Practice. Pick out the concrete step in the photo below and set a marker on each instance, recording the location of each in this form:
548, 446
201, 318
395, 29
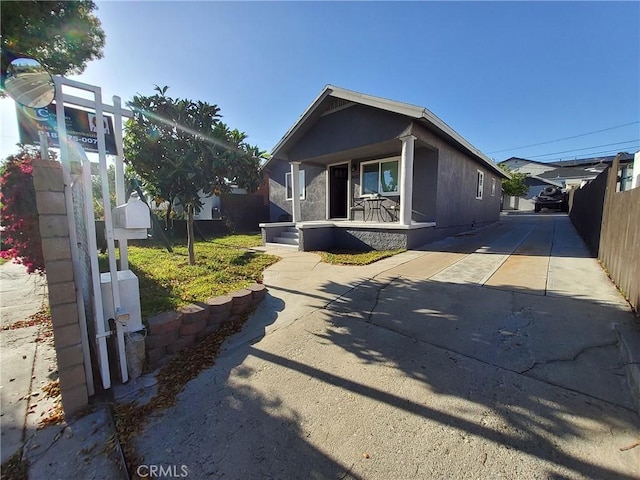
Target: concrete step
280, 245
289, 235
286, 240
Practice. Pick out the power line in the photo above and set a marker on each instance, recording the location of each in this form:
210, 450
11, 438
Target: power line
592, 154
565, 138
585, 148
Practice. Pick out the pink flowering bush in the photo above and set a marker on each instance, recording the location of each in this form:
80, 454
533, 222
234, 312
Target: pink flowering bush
18, 212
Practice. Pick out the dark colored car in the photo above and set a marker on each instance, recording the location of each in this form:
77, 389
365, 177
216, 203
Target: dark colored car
552, 197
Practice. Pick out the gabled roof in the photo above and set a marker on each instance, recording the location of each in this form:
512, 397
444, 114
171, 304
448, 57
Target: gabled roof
591, 161
412, 111
567, 172
544, 180
518, 159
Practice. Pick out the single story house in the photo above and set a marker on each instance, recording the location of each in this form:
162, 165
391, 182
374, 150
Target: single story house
358, 172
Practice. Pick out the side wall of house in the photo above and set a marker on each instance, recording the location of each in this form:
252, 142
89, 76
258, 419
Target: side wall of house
457, 186
425, 185
313, 207
457, 208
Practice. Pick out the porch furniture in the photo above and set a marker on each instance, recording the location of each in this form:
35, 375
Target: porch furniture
393, 211
357, 206
374, 205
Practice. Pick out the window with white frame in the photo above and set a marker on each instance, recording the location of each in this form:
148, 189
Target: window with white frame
480, 185
380, 177
289, 185
493, 187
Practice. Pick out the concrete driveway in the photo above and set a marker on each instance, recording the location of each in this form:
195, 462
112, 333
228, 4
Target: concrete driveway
487, 355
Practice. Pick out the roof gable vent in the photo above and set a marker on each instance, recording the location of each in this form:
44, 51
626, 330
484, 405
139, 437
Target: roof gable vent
337, 104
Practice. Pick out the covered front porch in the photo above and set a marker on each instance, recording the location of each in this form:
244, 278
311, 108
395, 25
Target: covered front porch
359, 199
348, 234
366, 186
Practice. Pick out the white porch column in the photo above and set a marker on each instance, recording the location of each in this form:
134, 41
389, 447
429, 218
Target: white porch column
295, 191
406, 179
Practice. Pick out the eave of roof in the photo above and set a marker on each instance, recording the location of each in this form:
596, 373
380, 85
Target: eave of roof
567, 172
523, 160
546, 180
406, 109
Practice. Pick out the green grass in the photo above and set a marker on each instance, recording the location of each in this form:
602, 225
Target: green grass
345, 257
167, 281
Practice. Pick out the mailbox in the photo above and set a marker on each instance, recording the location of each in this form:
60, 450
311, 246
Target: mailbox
131, 220
129, 298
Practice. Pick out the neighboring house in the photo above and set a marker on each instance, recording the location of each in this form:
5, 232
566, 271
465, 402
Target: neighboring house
358, 171
597, 165
522, 165
570, 177
212, 205
565, 173
527, 203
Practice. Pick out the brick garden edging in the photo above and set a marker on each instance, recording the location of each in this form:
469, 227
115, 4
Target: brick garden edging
171, 332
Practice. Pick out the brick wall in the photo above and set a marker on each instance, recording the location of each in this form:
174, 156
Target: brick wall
52, 212
173, 331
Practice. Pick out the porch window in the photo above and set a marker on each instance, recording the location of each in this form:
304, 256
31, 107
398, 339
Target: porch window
380, 176
493, 187
289, 185
480, 185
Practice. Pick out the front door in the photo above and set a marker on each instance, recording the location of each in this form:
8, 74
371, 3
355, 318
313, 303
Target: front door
338, 189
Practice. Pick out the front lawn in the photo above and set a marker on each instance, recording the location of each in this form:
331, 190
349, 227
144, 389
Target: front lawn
346, 257
167, 281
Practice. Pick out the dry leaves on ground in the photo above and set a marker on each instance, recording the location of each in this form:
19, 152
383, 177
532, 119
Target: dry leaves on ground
172, 378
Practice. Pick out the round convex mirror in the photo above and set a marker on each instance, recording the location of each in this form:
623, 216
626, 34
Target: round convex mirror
29, 84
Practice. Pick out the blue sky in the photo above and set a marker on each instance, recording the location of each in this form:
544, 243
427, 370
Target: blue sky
502, 74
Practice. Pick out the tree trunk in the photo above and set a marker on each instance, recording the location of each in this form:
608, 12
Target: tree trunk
167, 215
192, 257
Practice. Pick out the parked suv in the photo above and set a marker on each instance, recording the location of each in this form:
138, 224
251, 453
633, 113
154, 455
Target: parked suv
552, 197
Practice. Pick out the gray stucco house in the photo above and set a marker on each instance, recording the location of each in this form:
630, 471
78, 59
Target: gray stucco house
358, 171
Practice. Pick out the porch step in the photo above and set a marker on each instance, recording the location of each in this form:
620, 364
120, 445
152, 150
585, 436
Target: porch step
288, 237
293, 235
286, 241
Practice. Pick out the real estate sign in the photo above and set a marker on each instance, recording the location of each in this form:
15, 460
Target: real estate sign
81, 127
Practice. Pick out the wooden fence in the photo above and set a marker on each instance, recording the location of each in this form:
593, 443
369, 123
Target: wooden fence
586, 205
609, 222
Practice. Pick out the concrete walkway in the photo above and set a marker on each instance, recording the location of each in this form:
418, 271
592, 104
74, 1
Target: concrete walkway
21, 295
77, 448
487, 355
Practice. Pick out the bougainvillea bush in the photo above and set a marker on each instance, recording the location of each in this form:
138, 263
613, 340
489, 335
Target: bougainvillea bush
19, 214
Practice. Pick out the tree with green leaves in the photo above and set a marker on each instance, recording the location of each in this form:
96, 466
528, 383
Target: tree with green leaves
180, 148
62, 36
96, 188
514, 186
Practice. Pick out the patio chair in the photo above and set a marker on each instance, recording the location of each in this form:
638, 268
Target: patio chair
394, 211
357, 206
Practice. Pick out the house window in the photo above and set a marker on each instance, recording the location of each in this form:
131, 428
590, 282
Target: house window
289, 186
380, 176
493, 187
480, 185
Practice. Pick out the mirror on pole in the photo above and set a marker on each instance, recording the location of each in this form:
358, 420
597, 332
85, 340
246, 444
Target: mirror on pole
29, 83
